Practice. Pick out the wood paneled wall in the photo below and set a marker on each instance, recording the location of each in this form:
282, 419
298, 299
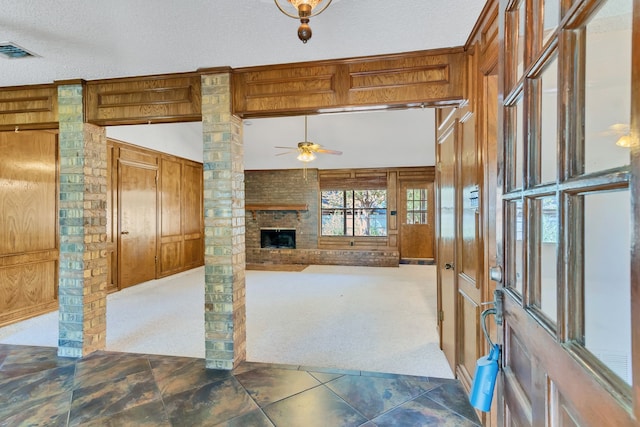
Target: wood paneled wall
469, 129
29, 107
144, 99
28, 224
192, 215
425, 78
112, 217
181, 236
432, 77
29, 249
179, 225
389, 178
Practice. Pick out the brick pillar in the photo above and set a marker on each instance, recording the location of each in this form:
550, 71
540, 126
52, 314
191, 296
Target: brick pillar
82, 280
225, 331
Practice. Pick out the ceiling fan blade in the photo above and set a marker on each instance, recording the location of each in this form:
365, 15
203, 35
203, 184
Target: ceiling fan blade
326, 151
287, 148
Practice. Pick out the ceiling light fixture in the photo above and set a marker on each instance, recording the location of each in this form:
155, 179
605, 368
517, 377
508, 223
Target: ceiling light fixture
624, 141
306, 156
305, 9
306, 149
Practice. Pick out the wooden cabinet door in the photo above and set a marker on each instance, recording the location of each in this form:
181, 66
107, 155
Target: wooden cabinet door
138, 223
416, 220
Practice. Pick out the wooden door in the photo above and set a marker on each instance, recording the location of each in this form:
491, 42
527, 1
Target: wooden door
468, 247
445, 173
137, 221
416, 220
569, 190
489, 206
460, 251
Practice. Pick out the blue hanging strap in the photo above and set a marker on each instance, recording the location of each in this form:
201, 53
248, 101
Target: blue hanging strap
487, 369
483, 321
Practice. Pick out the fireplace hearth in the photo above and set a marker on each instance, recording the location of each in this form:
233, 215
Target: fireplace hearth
277, 238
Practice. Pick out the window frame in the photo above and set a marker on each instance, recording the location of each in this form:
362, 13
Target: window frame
423, 201
349, 206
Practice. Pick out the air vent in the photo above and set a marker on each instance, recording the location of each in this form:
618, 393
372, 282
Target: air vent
10, 50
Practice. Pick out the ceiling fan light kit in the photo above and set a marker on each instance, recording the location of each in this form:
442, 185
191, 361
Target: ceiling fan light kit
305, 9
306, 149
306, 156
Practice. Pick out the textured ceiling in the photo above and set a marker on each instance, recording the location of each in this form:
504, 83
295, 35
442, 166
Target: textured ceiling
94, 39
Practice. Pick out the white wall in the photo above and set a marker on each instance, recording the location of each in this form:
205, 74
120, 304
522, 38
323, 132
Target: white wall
180, 139
389, 138
393, 138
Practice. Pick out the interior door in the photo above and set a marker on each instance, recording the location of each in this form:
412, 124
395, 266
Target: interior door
490, 206
137, 221
416, 220
570, 348
468, 247
446, 261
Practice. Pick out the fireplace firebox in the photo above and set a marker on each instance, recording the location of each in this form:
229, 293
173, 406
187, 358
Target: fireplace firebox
278, 238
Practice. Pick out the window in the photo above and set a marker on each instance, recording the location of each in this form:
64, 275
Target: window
354, 213
549, 220
417, 206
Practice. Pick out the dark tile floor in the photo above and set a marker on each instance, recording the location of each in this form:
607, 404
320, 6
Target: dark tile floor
37, 388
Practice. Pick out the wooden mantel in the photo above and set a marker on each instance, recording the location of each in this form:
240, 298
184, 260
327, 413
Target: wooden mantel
253, 207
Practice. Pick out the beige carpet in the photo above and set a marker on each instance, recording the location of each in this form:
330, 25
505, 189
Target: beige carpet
362, 318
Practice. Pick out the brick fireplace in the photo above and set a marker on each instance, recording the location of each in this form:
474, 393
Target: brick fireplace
286, 200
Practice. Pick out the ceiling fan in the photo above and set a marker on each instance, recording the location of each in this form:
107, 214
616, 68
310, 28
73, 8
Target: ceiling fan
306, 149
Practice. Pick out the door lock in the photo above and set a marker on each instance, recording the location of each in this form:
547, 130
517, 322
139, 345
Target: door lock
495, 273
498, 298
124, 232
498, 306
448, 266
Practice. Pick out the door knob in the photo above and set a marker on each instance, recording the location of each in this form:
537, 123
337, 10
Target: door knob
495, 273
448, 266
124, 232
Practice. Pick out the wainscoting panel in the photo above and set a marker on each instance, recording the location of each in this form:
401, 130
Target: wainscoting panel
28, 224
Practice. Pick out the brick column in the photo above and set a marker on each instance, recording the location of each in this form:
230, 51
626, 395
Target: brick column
225, 332
82, 280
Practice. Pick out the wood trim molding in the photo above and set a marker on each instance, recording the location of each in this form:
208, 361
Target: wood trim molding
70, 82
148, 99
276, 207
214, 70
434, 77
422, 78
29, 107
486, 20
